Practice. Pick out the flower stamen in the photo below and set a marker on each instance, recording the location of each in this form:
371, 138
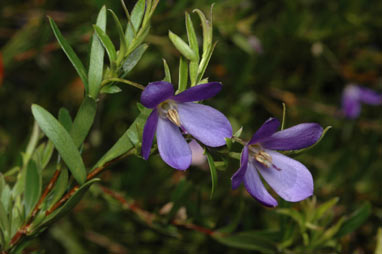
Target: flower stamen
258, 153
168, 109
173, 116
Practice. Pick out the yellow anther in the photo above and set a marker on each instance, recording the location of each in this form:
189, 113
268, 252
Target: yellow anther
173, 116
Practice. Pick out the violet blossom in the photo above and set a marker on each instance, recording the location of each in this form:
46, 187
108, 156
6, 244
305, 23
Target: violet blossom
289, 178
353, 96
174, 115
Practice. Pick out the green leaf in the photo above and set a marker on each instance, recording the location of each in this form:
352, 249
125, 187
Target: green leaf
65, 119
76, 62
83, 120
330, 232
107, 43
132, 60
135, 20
214, 176
70, 204
207, 31
42, 154
58, 190
183, 75
122, 40
238, 132
2, 183
124, 143
62, 140
204, 63
47, 154
182, 47
33, 185
17, 219
295, 215
355, 220
4, 223
378, 248
111, 89
138, 39
247, 240
194, 66
321, 210
167, 74
284, 117
97, 53
193, 41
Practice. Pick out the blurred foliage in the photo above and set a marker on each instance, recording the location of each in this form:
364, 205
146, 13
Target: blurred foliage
309, 50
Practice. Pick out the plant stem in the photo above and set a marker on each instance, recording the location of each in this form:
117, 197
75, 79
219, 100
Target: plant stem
24, 229
125, 81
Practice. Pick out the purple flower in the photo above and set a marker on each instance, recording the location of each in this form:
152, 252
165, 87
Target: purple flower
198, 156
174, 114
354, 95
290, 179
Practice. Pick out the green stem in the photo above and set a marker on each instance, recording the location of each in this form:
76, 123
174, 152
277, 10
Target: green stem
125, 81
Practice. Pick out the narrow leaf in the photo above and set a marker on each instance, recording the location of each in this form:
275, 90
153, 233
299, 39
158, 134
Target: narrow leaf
97, 53
284, 115
76, 62
2, 183
214, 177
135, 20
83, 120
33, 185
321, 210
132, 60
194, 66
207, 31
59, 189
4, 223
47, 154
122, 40
378, 248
62, 140
70, 204
192, 40
107, 43
204, 63
111, 89
167, 74
141, 36
124, 143
65, 119
182, 47
355, 220
183, 75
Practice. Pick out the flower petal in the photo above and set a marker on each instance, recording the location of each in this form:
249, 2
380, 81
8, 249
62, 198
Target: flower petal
199, 92
237, 178
296, 137
148, 133
255, 187
369, 96
198, 156
268, 128
351, 105
155, 93
205, 123
289, 178
172, 146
